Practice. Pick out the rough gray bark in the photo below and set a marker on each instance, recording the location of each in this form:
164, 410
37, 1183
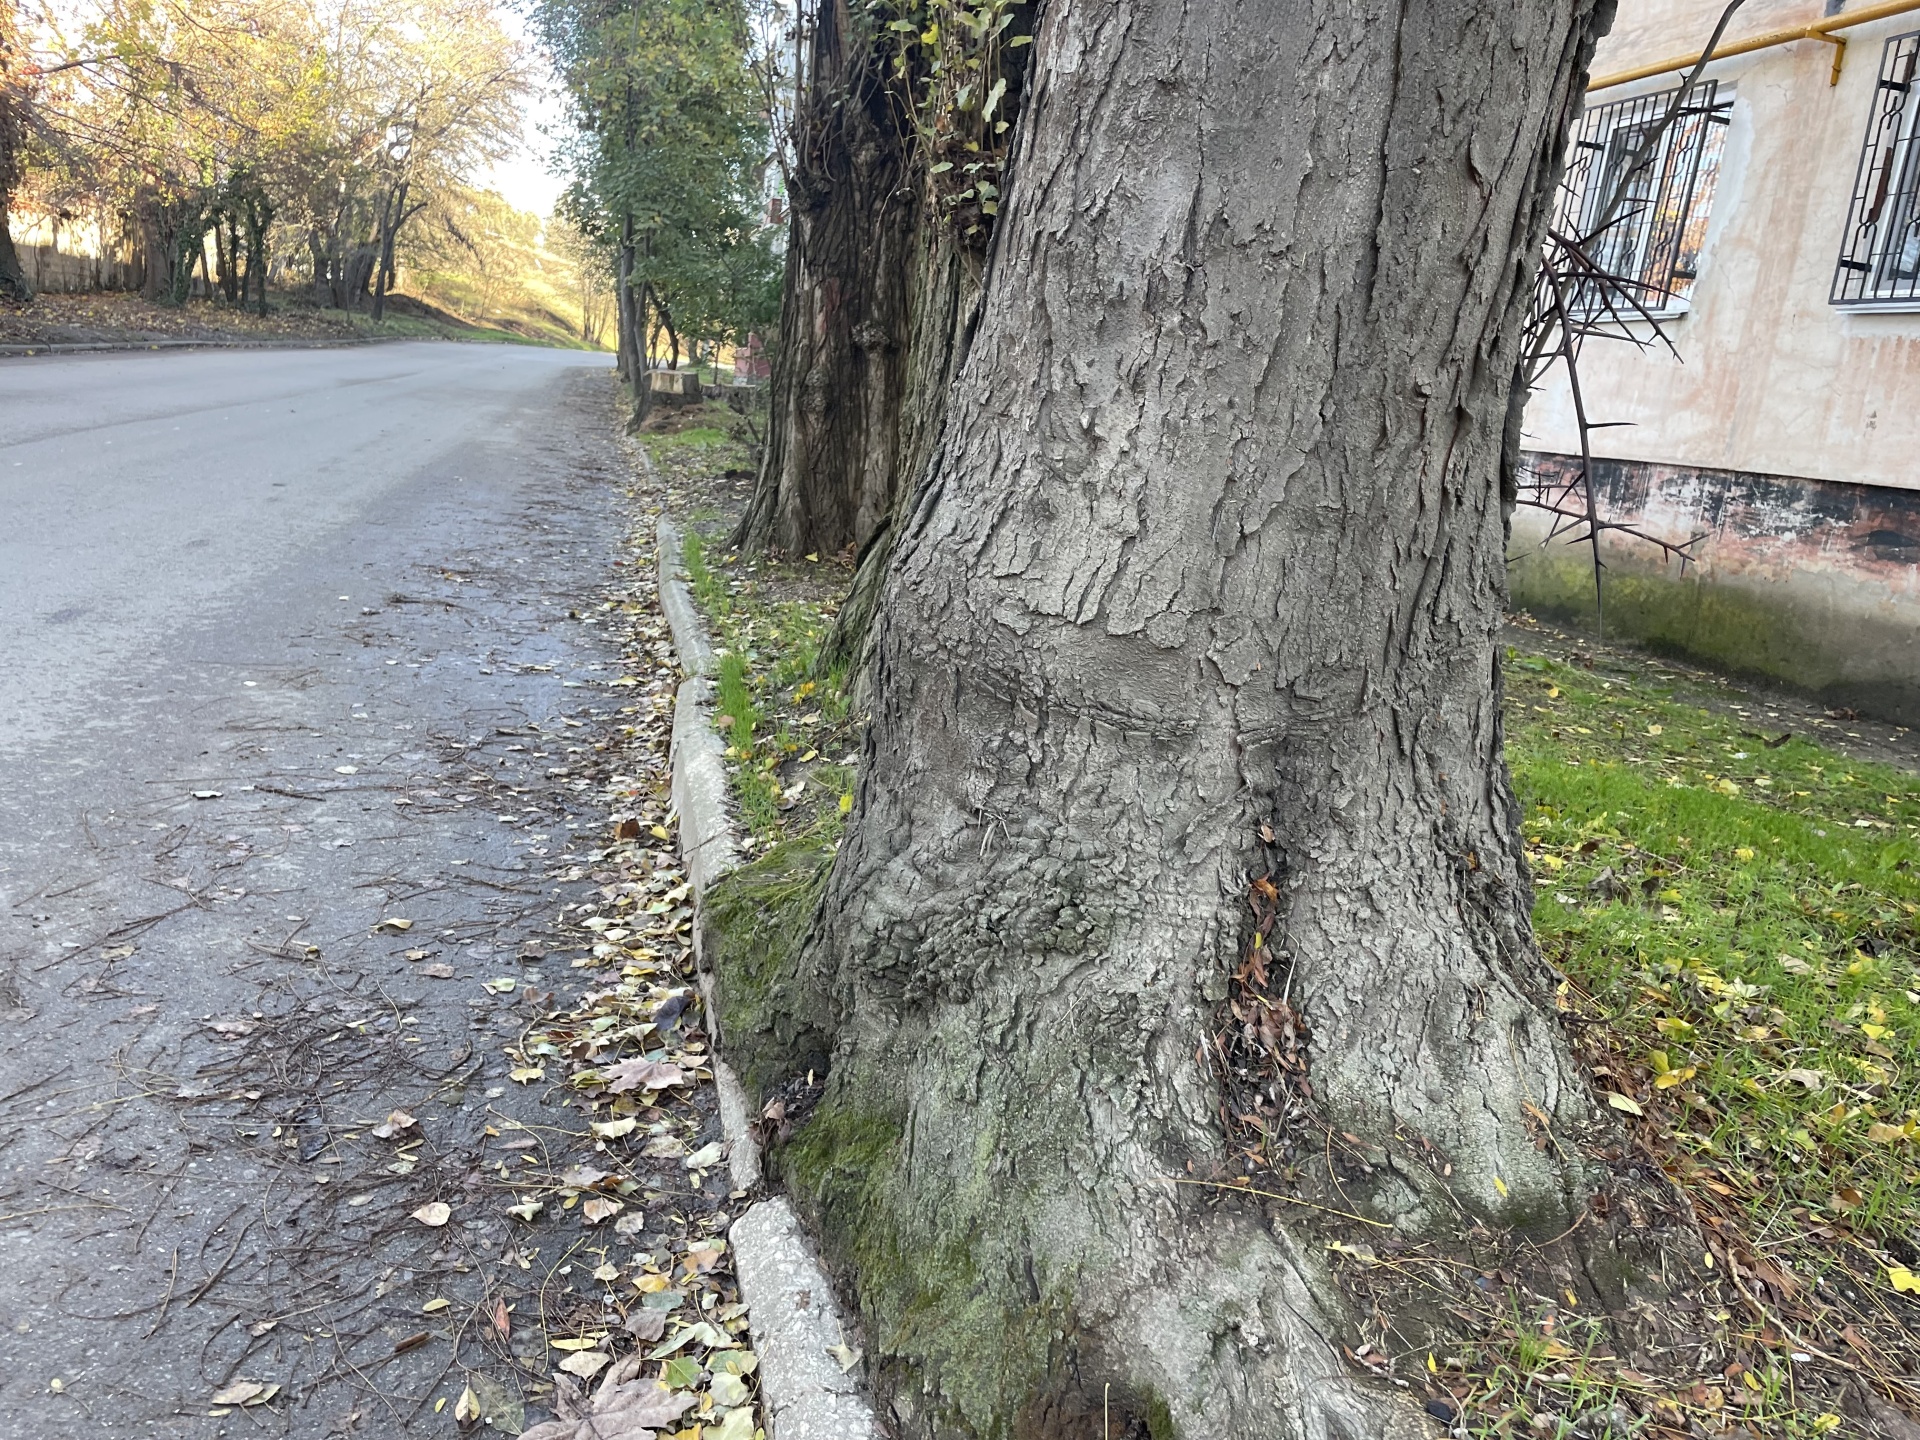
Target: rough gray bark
828, 477
1213, 541
943, 288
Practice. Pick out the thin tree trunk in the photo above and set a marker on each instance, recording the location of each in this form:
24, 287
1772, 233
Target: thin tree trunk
625, 343
14, 284
1204, 588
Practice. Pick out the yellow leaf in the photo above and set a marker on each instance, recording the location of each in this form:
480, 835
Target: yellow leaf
1501, 1186
1624, 1102
433, 1307
1653, 729
527, 1074
1903, 1279
660, 833
1743, 853
583, 1343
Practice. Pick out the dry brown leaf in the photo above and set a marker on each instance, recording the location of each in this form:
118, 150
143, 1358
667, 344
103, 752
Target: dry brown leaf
434, 1213
643, 1074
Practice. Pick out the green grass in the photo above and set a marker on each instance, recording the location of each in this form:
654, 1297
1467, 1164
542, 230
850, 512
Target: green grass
1741, 910
778, 711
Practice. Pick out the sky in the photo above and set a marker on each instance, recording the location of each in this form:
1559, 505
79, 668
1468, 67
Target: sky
524, 180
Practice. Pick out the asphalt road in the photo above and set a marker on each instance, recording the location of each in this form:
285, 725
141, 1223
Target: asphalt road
291, 643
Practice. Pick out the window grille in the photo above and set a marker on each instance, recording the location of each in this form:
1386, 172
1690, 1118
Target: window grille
1638, 197
1880, 249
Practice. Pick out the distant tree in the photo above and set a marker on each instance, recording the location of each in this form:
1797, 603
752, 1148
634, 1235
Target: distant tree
668, 167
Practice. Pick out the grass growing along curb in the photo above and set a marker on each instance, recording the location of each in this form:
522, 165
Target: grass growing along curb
779, 718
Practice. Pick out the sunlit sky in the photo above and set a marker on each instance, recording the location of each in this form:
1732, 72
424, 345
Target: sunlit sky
524, 180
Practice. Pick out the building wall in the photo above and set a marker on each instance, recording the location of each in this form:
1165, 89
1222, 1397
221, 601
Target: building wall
62, 256
1784, 425
1810, 584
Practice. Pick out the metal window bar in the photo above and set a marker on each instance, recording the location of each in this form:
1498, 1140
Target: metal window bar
1880, 249
1651, 244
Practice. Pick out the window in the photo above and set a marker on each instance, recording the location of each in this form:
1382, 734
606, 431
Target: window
1880, 250
1638, 192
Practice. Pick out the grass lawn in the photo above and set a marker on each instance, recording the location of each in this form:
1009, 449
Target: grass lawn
1733, 907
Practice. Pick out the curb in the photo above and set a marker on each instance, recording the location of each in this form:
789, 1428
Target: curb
95, 347
806, 1393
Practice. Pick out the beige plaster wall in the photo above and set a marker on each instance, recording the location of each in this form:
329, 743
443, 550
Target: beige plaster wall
1770, 377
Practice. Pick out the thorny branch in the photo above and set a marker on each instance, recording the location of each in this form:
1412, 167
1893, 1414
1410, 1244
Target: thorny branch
1608, 305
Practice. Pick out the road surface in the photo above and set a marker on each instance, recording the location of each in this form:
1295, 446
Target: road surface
291, 643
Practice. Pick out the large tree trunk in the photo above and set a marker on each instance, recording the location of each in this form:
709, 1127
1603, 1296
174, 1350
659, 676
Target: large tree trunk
827, 481
1205, 586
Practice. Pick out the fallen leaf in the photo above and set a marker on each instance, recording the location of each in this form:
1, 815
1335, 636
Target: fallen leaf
206, 794
705, 1158
844, 1355
346, 769
586, 1364
643, 1074
1903, 1279
232, 1029
680, 1373
527, 1074
577, 1343
395, 1122
1624, 1102
394, 922
526, 1210
730, 1390
738, 1425
466, 1410
417, 954
434, 1306
599, 1208
606, 1271
614, 1129
1812, 1079
646, 1325
245, 1392
437, 972
434, 1213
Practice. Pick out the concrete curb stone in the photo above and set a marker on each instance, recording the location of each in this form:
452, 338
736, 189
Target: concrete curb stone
807, 1393
94, 347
